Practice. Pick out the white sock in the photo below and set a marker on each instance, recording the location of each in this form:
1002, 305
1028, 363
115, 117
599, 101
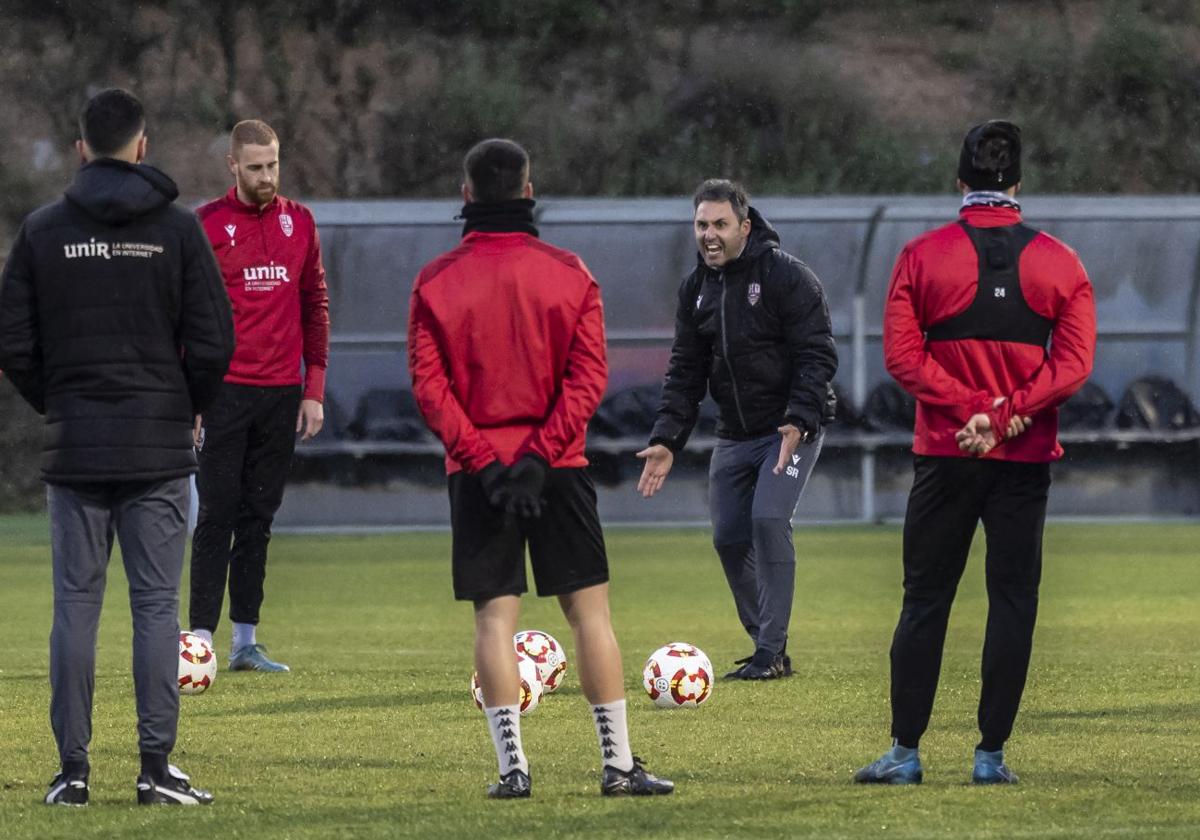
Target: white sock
504, 722
206, 635
243, 634
613, 733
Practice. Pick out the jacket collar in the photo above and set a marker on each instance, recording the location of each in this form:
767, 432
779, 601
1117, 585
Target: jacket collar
115, 192
235, 203
984, 216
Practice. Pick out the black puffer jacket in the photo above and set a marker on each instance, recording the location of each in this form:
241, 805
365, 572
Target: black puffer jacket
114, 323
757, 334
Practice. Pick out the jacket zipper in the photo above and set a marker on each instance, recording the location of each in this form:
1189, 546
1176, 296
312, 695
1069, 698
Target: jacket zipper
728, 359
262, 239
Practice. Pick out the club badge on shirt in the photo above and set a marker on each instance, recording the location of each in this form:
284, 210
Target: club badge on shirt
285, 222
754, 293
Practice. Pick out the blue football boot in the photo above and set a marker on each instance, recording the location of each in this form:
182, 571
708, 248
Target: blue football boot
990, 769
898, 766
254, 658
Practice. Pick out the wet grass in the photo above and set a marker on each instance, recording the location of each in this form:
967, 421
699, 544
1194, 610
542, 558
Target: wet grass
374, 734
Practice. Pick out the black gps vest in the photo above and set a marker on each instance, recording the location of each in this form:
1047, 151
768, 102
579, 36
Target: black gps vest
999, 311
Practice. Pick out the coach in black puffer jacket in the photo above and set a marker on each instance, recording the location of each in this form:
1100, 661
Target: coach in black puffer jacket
114, 323
752, 327
756, 333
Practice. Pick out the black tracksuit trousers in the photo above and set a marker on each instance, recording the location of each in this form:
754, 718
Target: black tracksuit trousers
949, 497
249, 439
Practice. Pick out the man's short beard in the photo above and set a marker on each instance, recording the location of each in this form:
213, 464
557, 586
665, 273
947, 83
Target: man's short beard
262, 195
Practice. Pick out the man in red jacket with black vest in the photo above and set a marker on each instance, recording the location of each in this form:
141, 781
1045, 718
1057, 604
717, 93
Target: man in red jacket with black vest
270, 256
991, 325
507, 354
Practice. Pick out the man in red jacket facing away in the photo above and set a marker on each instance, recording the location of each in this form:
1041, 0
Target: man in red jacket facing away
991, 325
507, 354
270, 256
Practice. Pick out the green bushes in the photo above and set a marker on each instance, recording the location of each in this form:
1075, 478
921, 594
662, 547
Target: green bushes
612, 98
1116, 114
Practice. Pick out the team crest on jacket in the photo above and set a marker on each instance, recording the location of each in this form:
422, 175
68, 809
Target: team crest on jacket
754, 293
285, 222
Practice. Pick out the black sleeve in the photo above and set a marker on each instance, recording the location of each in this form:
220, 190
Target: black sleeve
20, 341
687, 375
206, 320
811, 348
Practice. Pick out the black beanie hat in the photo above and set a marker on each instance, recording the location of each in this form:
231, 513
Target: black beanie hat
980, 167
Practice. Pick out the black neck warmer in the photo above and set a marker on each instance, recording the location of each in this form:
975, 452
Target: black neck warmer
512, 216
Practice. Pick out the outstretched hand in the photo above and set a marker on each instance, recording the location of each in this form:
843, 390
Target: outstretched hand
658, 460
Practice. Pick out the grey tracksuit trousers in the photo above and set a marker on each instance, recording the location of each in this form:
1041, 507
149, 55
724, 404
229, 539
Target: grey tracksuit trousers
751, 510
149, 519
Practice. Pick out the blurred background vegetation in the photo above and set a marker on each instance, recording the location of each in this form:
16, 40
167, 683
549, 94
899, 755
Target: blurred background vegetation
616, 97
612, 97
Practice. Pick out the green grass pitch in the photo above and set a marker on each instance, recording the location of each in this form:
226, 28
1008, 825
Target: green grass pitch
374, 733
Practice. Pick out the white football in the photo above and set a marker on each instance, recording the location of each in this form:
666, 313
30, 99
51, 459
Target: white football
546, 653
531, 686
678, 676
197, 664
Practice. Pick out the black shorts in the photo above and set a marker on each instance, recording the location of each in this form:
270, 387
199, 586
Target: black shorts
566, 545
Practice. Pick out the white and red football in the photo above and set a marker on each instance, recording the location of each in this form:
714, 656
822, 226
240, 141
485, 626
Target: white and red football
678, 676
546, 653
197, 664
531, 686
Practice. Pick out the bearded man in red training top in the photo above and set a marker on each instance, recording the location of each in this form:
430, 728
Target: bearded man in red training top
991, 325
270, 256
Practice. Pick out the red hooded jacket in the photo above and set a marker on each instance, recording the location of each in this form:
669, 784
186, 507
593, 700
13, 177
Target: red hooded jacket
935, 278
271, 262
507, 353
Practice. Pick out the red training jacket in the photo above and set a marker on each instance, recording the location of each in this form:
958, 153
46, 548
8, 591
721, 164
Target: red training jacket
507, 353
271, 262
935, 278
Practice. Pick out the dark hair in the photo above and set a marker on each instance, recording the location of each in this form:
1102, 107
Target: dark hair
496, 170
110, 119
719, 189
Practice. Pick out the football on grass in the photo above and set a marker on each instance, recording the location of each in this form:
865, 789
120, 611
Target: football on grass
678, 676
197, 664
531, 685
546, 653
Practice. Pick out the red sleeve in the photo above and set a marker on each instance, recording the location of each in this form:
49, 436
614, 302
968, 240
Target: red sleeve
904, 348
1069, 363
435, 397
584, 381
314, 318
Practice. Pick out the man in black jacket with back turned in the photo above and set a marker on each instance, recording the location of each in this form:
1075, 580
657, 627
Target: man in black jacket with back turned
752, 327
115, 325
